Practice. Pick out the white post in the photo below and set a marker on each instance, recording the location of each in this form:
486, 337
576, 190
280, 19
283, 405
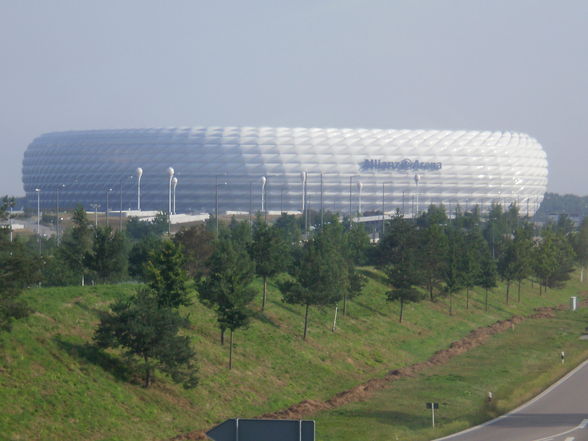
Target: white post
170, 172
433, 413
335, 319
174, 183
139, 174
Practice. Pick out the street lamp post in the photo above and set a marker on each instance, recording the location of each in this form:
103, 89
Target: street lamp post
282, 199
59, 187
383, 207
174, 183
359, 188
139, 175
303, 177
263, 208
107, 195
250, 200
417, 179
170, 172
38, 190
95, 207
216, 184
322, 207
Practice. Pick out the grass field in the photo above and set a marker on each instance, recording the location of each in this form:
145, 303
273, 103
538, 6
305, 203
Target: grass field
55, 386
515, 365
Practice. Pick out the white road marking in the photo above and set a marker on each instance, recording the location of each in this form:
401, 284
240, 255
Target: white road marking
582, 425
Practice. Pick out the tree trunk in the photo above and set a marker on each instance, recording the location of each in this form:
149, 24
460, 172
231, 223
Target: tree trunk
450, 304
222, 336
231, 350
582, 274
519, 292
507, 290
345, 305
305, 321
468, 297
430, 289
401, 309
486, 301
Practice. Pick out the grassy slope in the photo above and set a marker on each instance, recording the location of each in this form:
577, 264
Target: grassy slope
55, 387
515, 366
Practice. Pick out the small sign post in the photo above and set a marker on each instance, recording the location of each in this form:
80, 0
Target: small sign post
433, 406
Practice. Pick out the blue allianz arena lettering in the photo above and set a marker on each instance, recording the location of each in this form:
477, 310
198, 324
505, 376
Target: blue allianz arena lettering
404, 165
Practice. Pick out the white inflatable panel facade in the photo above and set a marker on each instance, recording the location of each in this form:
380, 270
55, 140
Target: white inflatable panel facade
360, 169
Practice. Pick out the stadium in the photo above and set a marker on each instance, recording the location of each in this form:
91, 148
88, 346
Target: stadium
285, 169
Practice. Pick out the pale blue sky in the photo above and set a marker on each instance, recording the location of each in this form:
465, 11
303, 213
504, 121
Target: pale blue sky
519, 65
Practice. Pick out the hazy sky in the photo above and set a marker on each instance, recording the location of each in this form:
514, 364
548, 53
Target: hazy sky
519, 65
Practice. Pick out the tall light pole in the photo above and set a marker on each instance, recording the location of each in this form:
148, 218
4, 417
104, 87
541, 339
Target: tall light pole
383, 207
303, 177
282, 199
139, 172
250, 200
59, 187
95, 207
107, 194
170, 172
359, 188
38, 190
174, 183
417, 179
263, 182
322, 207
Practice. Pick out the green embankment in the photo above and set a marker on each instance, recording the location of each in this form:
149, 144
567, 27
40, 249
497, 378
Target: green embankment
55, 386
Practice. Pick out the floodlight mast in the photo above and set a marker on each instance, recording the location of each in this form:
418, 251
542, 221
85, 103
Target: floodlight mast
139, 174
170, 172
263, 182
174, 183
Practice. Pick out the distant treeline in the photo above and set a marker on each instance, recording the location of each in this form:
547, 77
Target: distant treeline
555, 204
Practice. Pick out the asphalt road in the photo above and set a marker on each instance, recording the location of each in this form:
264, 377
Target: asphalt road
560, 413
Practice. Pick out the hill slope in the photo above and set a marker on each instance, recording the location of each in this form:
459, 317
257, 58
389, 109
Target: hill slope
55, 386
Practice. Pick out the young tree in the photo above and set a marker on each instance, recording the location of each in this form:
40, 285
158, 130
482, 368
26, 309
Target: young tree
149, 332
507, 266
319, 274
165, 275
197, 245
269, 253
402, 268
432, 255
108, 256
471, 259
19, 268
76, 243
140, 253
581, 247
488, 273
453, 270
288, 228
226, 288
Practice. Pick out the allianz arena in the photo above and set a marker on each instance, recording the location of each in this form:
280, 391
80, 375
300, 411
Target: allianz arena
286, 169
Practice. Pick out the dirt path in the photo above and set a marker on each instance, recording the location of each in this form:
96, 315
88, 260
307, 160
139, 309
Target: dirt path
361, 392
